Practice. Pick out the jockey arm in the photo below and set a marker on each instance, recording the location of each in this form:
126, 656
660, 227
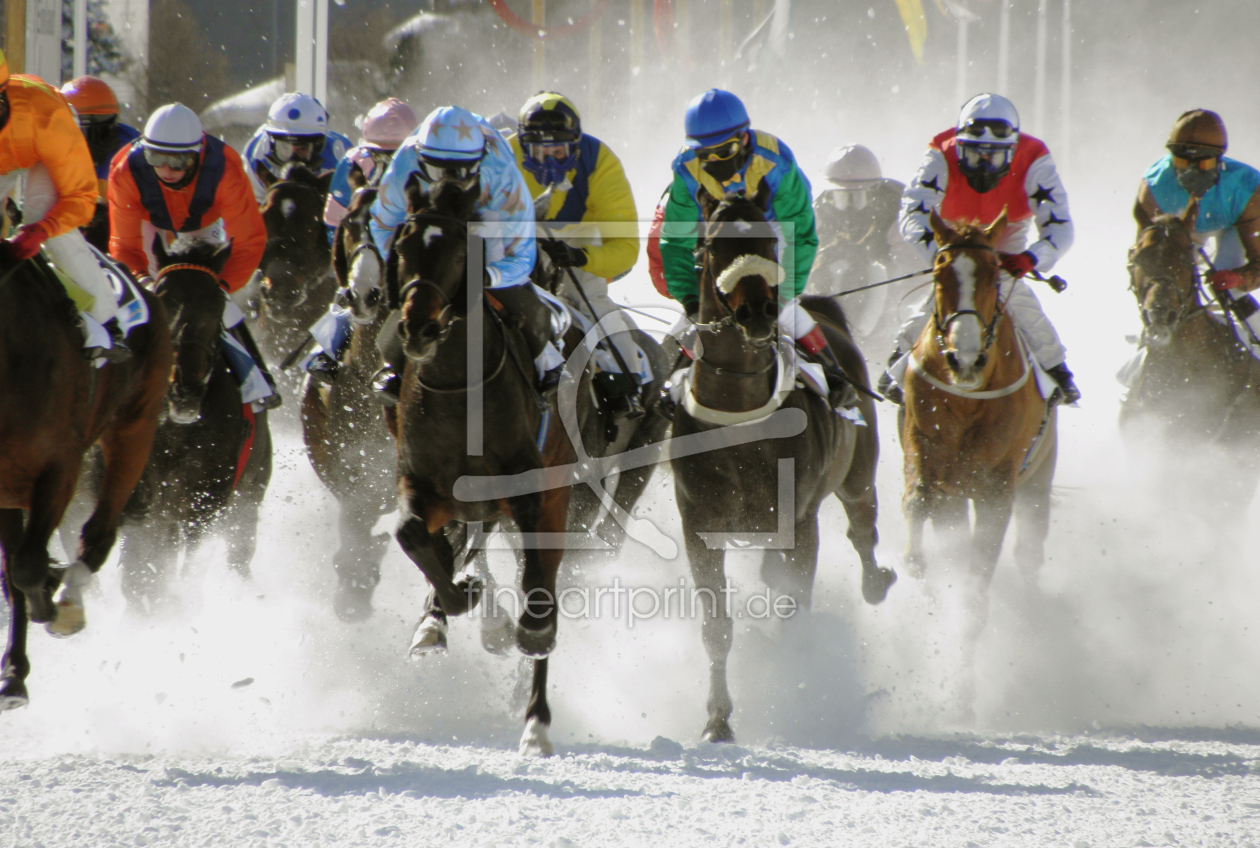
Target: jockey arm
611, 202
58, 143
924, 194
126, 214
1048, 198
242, 220
792, 204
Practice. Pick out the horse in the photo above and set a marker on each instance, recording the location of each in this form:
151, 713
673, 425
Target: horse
296, 280
212, 453
54, 406
1197, 381
346, 440
975, 427
443, 403
736, 485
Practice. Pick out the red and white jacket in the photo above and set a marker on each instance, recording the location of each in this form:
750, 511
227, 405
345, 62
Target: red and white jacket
1031, 192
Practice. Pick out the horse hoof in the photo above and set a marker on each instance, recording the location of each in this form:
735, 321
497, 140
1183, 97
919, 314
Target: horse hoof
534, 741
536, 643
916, 566
497, 633
717, 730
471, 586
875, 583
69, 615
70, 619
353, 603
13, 695
429, 638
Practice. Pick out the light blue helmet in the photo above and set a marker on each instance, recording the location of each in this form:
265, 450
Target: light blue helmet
450, 133
714, 117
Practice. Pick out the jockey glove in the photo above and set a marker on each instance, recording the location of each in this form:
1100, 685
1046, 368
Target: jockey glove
1018, 264
563, 255
1225, 280
26, 243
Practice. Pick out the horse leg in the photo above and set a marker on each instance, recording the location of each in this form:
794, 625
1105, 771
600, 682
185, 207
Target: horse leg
145, 557
125, 446
993, 507
432, 554
1032, 518
29, 572
534, 741
918, 505
709, 576
857, 494
358, 560
537, 513
16, 666
242, 538
790, 572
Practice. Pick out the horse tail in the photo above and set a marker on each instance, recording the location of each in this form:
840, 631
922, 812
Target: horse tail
828, 309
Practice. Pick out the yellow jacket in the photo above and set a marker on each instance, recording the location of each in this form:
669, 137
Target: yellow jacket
41, 128
598, 194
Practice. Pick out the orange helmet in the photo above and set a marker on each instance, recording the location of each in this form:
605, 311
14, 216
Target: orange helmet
91, 96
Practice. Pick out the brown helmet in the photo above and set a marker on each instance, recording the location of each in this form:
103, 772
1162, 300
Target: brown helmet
1199, 128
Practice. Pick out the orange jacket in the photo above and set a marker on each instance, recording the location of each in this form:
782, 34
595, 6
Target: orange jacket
41, 128
233, 201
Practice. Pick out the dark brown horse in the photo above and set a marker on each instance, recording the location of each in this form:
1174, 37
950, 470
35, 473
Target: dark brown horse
975, 426
54, 405
346, 438
1197, 384
211, 459
445, 403
297, 283
764, 456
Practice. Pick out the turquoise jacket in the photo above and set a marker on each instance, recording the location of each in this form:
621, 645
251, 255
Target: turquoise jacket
1219, 209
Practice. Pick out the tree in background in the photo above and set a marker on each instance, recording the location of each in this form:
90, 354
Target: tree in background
183, 65
105, 48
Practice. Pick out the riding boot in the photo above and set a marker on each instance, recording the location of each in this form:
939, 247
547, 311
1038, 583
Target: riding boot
523, 302
118, 351
885, 386
241, 333
1067, 393
387, 381
619, 393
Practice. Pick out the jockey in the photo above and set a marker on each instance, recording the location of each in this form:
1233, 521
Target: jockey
579, 185
1229, 204
40, 139
97, 107
384, 128
971, 173
856, 212
296, 131
176, 180
454, 145
722, 154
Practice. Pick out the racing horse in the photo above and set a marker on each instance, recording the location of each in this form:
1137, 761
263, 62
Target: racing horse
211, 459
296, 282
975, 426
1196, 379
54, 405
449, 388
346, 439
751, 456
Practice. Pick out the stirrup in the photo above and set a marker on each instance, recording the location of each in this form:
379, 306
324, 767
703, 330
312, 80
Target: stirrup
630, 408
550, 382
387, 386
323, 369
890, 390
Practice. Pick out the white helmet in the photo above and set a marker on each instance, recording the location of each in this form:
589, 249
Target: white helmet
174, 128
988, 119
297, 114
852, 166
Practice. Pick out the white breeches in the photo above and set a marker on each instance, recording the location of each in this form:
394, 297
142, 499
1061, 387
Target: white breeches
70, 252
1024, 309
608, 314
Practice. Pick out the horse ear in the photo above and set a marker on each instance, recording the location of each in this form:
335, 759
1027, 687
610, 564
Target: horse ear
356, 178
940, 229
341, 267
762, 197
391, 280
265, 176
159, 250
416, 199
1191, 214
324, 183
994, 231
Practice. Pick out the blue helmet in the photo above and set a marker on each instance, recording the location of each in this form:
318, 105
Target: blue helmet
714, 117
451, 133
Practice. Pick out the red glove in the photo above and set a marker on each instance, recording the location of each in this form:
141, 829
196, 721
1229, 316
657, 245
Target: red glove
1018, 264
26, 243
1224, 280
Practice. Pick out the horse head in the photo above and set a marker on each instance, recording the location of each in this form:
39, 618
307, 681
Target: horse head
739, 260
1162, 271
967, 300
297, 252
427, 268
357, 263
188, 286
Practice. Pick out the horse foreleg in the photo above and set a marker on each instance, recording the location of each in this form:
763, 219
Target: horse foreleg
542, 517
17, 666
917, 504
125, 447
1032, 518
790, 571
534, 741
432, 554
857, 493
709, 576
28, 565
358, 560
242, 538
146, 556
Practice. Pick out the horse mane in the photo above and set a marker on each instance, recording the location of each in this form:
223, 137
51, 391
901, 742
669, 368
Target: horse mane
194, 250
296, 172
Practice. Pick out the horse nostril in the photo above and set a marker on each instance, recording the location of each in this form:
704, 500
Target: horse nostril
372, 298
1170, 317
742, 313
951, 360
770, 309
981, 360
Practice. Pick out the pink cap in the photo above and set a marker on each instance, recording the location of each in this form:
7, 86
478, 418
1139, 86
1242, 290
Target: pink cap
388, 123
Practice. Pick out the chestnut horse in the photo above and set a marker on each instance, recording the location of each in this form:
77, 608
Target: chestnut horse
342, 424
443, 400
732, 484
1196, 382
975, 427
54, 405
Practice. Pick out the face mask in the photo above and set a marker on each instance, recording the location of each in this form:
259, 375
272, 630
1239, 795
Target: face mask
1197, 182
723, 169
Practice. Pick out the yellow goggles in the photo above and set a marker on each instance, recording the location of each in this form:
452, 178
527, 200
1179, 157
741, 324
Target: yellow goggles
719, 152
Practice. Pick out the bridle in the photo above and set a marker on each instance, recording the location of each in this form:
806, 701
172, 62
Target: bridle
727, 318
1186, 306
348, 296
211, 349
988, 328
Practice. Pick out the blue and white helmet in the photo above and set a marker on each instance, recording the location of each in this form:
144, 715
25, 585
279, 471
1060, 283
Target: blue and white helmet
451, 134
296, 114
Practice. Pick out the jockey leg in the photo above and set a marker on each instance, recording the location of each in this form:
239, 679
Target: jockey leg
1043, 341
906, 337
622, 392
801, 326
387, 381
523, 301
240, 331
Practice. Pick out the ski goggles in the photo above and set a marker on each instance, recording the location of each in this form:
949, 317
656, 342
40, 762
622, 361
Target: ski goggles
457, 170
995, 127
849, 198
174, 161
294, 149
720, 152
560, 151
1188, 158
991, 157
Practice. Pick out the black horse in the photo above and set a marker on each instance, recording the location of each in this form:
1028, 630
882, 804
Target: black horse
54, 405
346, 438
212, 455
297, 282
444, 404
735, 481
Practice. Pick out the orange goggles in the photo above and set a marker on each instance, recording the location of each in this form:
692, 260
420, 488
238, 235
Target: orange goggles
1204, 159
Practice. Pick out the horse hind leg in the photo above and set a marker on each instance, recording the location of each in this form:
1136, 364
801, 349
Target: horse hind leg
789, 572
357, 561
709, 576
534, 740
1032, 519
242, 538
16, 666
28, 564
